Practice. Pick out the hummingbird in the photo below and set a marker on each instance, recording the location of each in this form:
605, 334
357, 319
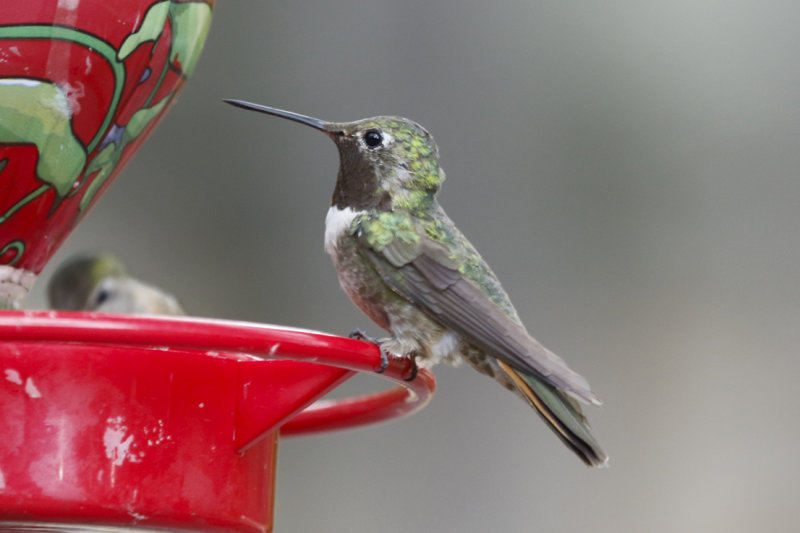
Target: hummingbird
101, 283
406, 265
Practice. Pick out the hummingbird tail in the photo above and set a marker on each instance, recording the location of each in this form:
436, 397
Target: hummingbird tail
562, 414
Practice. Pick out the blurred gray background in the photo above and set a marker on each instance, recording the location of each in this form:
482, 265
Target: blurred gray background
630, 171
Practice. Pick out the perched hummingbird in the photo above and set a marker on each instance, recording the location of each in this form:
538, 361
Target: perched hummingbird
101, 283
404, 263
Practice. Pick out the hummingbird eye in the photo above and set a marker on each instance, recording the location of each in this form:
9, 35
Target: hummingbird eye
372, 138
102, 296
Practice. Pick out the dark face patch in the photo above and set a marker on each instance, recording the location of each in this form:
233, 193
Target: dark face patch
357, 182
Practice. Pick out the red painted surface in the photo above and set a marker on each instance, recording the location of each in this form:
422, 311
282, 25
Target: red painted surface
168, 422
79, 47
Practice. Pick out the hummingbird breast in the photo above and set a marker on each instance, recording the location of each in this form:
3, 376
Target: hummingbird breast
361, 283
412, 330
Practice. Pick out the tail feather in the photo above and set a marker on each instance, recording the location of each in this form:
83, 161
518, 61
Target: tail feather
562, 414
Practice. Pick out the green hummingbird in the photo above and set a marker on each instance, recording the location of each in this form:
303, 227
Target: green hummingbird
101, 283
406, 265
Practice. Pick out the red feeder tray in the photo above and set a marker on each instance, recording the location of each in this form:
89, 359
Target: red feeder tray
168, 423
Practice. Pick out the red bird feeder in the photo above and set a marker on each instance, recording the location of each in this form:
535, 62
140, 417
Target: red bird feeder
168, 423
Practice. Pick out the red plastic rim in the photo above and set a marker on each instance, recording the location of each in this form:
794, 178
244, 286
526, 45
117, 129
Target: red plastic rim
257, 340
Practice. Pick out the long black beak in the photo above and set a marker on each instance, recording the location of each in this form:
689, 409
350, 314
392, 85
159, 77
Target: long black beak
297, 117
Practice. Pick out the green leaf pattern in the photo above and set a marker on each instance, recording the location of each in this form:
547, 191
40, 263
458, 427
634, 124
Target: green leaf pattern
38, 112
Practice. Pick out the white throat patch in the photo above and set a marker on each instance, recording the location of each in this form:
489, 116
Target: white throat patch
337, 221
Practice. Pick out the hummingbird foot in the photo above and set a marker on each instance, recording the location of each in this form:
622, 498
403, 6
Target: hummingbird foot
360, 335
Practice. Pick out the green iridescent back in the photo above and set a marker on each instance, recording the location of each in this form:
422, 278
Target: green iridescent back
471, 265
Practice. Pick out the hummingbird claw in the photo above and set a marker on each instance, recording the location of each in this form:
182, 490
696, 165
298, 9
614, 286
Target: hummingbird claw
360, 335
384, 361
414, 370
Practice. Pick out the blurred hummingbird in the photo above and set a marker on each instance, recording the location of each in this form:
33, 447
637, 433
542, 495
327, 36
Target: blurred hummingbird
101, 283
406, 265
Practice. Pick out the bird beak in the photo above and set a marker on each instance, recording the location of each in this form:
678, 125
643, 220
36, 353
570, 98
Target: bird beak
321, 125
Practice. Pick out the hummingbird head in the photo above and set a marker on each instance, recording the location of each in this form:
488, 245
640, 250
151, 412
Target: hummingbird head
100, 283
384, 162
75, 280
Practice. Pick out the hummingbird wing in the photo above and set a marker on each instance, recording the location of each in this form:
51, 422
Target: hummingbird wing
432, 276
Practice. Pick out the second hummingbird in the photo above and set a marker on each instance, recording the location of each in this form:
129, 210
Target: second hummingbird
404, 263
